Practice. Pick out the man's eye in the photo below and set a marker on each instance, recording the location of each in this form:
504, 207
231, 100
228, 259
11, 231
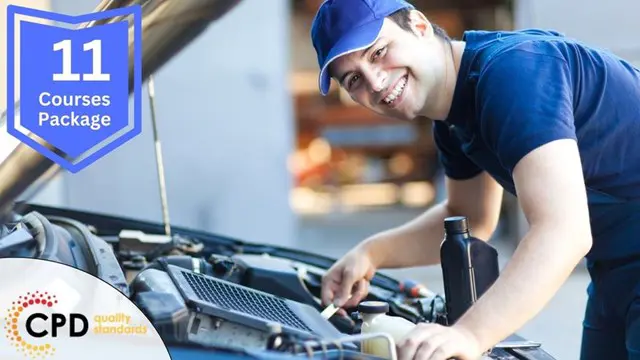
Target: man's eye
379, 52
352, 80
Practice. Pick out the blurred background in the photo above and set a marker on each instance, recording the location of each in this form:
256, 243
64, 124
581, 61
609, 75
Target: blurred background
253, 151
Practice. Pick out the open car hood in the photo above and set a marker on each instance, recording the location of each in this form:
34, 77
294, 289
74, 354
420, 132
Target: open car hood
168, 26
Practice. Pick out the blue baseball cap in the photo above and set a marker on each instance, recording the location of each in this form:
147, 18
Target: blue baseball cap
344, 26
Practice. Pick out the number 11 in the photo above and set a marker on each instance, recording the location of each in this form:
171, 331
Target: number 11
67, 75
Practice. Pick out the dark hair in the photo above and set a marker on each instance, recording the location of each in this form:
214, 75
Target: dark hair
402, 17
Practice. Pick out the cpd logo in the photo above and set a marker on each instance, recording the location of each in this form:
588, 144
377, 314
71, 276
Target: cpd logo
30, 324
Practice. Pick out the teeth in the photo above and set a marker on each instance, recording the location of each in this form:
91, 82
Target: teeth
396, 92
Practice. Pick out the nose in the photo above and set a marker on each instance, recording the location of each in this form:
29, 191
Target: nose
377, 79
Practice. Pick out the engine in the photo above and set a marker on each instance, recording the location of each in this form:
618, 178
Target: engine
207, 291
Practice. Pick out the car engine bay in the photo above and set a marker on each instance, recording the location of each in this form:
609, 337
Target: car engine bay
202, 290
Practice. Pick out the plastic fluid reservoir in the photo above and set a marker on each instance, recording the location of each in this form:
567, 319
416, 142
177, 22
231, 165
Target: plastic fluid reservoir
375, 320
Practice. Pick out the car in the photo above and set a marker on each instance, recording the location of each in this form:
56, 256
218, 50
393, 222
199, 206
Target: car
207, 295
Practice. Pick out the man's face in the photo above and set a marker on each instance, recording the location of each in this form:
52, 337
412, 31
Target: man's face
396, 75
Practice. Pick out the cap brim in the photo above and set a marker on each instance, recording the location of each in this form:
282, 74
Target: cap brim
358, 39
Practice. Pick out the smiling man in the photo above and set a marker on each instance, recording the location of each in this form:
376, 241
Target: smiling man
551, 120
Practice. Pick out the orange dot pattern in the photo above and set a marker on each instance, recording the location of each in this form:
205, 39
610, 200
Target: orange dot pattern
12, 331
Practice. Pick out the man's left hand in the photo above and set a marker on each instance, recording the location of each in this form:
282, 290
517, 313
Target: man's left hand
437, 342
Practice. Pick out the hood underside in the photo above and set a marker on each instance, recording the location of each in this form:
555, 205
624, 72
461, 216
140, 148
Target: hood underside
168, 26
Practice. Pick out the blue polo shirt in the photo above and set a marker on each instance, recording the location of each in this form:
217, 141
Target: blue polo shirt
519, 90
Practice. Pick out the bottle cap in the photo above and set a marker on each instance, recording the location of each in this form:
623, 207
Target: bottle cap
373, 307
456, 225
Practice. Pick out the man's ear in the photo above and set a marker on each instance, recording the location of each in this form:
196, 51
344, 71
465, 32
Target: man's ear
419, 24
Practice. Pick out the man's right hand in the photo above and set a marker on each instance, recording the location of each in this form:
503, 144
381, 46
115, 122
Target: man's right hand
348, 277
416, 243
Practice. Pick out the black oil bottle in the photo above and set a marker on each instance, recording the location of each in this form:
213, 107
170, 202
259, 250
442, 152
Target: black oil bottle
469, 267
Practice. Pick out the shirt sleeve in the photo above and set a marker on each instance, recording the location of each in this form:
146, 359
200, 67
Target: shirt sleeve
456, 164
526, 100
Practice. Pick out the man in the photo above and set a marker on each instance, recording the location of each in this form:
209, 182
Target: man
548, 119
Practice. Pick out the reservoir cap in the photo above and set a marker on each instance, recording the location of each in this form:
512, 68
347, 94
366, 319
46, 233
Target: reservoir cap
456, 225
373, 307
